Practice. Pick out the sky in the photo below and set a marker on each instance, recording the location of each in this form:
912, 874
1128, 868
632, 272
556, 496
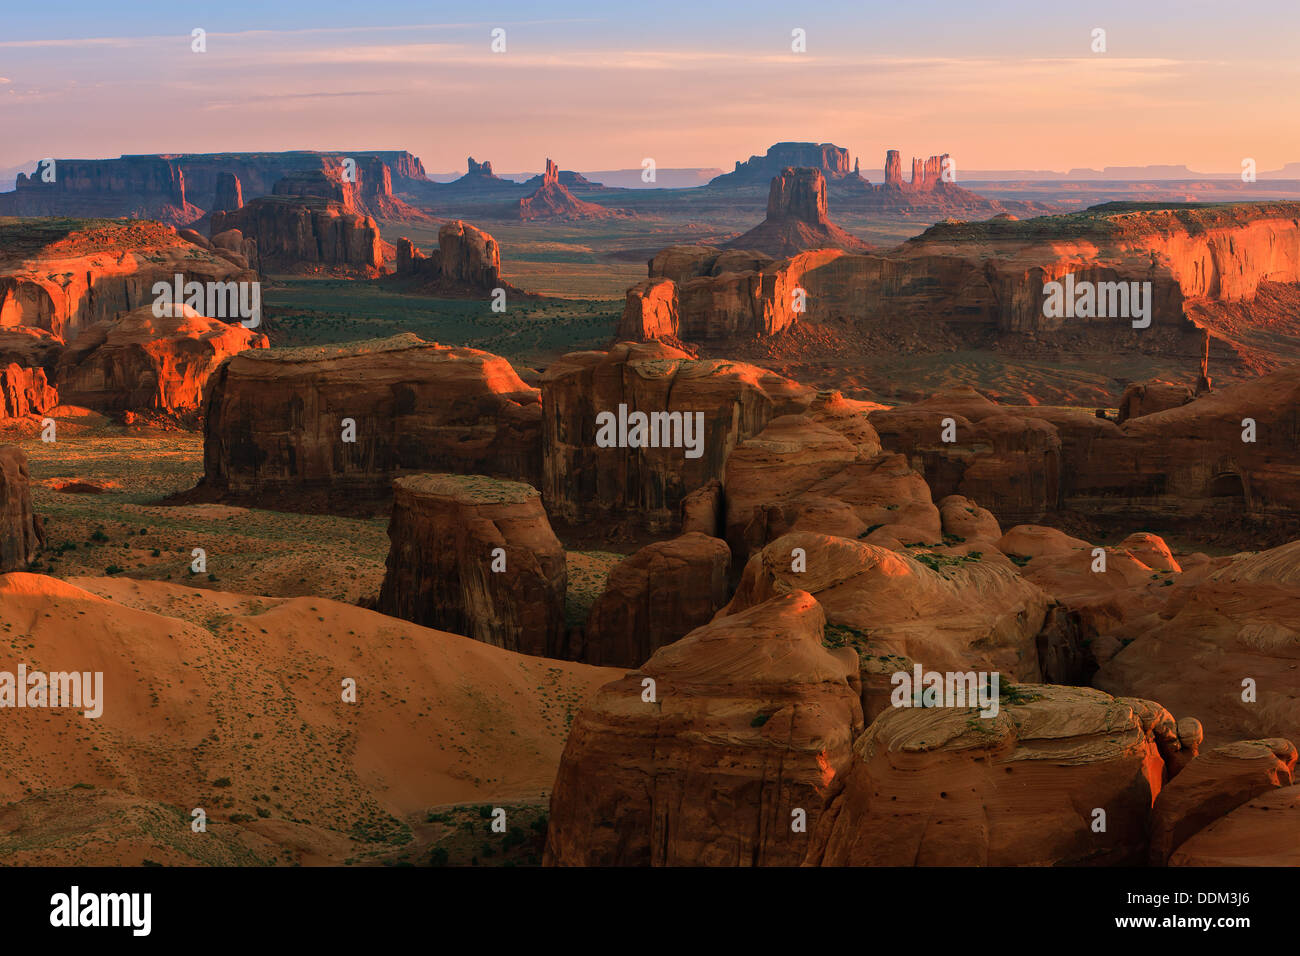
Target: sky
996, 84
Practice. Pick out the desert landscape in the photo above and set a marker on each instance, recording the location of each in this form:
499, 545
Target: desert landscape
800, 510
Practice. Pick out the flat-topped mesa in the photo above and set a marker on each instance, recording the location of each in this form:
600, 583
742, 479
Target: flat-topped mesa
466, 262
751, 723
797, 218
628, 433
143, 362
831, 160
1118, 270
20, 532
309, 226
63, 276
483, 169
475, 555
328, 428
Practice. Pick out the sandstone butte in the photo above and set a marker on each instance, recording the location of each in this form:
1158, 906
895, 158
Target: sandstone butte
983, 276
311, 224
62, 276
275, 429
750, 722
466, 262
476, 556
584, 482
439, 720
797, 218
20, 530
139, 362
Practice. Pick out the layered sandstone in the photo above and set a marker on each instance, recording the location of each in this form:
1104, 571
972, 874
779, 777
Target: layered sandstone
703, 409
24, 392
306, 234
63, 276
1213, 785
466, 262
797, 218
19, 531
277, 423
144, 362
475, 555
1147, 398
1261, 832
716, 752
654, 597
945, 787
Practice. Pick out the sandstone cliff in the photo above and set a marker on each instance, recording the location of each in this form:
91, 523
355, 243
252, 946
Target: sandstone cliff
307, 234
275, 431
19, 529
466, 262
553, 201
797, 218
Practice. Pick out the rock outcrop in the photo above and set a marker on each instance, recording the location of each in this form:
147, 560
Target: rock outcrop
601, 463
553, 201
143, 362
230, 194
330, 427
830, 160
307, 234
1213, 785
982, 279
24, 392
1261, 832
715, 753
62, 276
797, 218
466, 262
654, 597
1148, 398
945, 787
20, 535
475, 555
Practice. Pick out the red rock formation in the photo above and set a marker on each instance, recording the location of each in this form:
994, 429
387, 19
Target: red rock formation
1215, 784
138, 187
230, 195
650, 312
1261, 832
704, 409
1148, 398
1231, 623
945, 787
552, 200
20, 535
654, 597
64, 276
143, 362
274, 428
305, 234
797, 218
25, 391
893, 168
466, 262
831, 160
751, 720
476, 556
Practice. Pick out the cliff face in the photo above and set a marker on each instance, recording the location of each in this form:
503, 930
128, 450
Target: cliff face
275, 430
139, 362
178, 188
19, 531
25, 391
64, 276
307, 234
831, 160
717, 404
476, 556
992, 275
